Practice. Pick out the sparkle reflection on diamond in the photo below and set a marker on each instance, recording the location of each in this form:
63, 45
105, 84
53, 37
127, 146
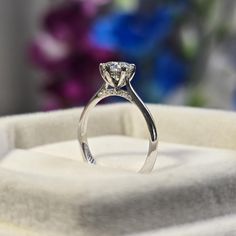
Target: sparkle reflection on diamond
117, 72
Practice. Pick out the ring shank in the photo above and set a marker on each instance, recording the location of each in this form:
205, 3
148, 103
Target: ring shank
132, 97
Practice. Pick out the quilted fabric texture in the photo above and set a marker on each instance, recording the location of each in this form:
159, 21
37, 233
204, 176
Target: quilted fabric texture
46, 189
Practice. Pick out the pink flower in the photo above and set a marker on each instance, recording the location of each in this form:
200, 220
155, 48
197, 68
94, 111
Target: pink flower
47, 52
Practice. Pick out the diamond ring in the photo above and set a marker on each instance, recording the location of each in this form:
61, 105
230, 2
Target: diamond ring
117, 77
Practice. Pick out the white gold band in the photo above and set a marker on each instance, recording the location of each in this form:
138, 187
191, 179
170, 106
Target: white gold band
129, 94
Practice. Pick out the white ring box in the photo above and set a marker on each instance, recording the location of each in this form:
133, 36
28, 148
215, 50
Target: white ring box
46, 188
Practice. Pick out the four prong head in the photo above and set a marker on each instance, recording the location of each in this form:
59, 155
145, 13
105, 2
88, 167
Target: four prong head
117, 73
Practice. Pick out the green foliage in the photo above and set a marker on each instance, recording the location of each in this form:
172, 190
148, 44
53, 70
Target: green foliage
196, 99
203, 7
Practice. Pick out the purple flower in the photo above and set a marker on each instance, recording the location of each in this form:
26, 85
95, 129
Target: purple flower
69, 23
75, 93
77, 78
47, 52
65, 53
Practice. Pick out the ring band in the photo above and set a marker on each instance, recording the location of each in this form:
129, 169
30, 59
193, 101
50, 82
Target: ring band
117, 77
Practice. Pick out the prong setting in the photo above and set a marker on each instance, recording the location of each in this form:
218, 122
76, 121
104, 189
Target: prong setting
117, 73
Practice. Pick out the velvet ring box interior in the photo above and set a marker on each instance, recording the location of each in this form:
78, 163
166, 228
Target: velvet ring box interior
46, 188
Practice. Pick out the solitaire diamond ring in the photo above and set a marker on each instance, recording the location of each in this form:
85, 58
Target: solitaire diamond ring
117, 77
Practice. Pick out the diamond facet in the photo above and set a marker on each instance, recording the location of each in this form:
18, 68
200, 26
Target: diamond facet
116, 73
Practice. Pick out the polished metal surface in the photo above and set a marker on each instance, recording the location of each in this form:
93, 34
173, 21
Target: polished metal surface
117, 77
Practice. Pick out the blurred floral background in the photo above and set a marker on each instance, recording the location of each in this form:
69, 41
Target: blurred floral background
184, 50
